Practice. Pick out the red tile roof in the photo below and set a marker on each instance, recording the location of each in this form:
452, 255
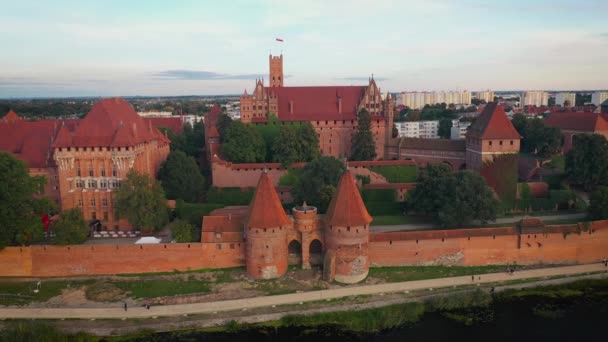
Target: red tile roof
265, 210
346, 208
64, 137
317, 103
11, 116
218, 224
175, 123
493, 123
577, 121
113, 122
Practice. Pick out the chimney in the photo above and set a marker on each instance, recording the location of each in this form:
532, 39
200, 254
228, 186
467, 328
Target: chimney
339, 104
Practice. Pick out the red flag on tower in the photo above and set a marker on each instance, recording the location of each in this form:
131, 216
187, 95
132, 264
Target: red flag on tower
279, 39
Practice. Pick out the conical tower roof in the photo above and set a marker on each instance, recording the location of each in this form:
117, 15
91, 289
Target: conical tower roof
11, 116
493, 123
346, 208
265, 209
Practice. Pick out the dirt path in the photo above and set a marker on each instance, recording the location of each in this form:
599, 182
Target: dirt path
294, 298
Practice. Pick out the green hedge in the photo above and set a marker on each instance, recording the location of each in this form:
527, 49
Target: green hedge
556, 181
384, 208
379, 195
557, 198
291, 177
396, 173
193, 212
229, 196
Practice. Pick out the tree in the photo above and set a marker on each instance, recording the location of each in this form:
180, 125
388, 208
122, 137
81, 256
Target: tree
598, 204
395, 132
295, 144
191, 141
243, 144
318, 181
452, 199
141, 200
222, 125
537, 138
587, 161
181, 231
445, 128
71, 228
181, 178
20, 222
364, 147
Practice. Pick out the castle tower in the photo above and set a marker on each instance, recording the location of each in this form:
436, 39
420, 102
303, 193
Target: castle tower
266, 228
492, 134
305, 218
276, 70
389, 109
346, 234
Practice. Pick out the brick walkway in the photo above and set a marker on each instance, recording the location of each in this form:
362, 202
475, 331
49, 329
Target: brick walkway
294, 298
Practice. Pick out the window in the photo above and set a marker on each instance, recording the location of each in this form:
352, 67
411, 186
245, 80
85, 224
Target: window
105, 215
90, 172
78, 172
114, 172
92, 183
511, 142
103, 172
80, 183
500, 143
490, 143
92, 202
103, 183
80, 203
104, 202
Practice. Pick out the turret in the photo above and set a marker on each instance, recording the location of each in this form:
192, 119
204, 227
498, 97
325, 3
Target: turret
347, 234
266, 228
305, 222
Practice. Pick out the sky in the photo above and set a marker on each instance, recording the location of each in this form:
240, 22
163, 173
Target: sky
208, 47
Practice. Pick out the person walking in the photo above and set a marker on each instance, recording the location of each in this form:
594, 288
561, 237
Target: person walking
125, 306
472, 278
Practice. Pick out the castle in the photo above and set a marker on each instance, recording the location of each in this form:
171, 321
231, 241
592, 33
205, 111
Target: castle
339, 240
85, 160
332, 110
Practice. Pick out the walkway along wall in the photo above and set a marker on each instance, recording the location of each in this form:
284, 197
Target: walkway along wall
566, 244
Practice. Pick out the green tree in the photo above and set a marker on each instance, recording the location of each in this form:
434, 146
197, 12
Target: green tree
452, 199
364, 147
20, 223
317, 182
598, 204
222, 125
244, 144
587, 161
181, 178
537, 138
395, 132
445, 128
71, 228
295, 144
141, 200
181, 231
191, 141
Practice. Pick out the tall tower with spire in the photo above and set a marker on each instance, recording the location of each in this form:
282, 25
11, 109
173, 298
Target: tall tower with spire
347, 234
276, 70
265, 234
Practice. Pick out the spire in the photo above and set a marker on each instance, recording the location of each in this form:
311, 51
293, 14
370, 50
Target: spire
265, 209
11, 116
346, 208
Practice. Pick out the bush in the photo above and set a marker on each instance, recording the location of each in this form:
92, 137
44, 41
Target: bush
396, 173
229, 196
384, 208
193, 212
379, 195
291, 177
182, 231
556, 181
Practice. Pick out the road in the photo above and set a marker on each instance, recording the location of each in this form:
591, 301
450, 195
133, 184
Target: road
293, 298
405, 227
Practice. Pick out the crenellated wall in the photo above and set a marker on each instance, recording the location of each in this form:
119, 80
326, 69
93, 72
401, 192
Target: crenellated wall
565, 244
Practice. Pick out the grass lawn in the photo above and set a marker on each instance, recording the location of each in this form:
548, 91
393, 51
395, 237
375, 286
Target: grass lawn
161, 288
409, 273
393, 220
397, 173
21, 293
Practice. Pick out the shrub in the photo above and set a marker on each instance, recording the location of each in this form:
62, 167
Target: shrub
194, 212
182, 231
229, 196
396, 173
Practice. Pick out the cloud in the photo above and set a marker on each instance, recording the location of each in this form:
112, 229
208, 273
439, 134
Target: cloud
202, 75
379, 79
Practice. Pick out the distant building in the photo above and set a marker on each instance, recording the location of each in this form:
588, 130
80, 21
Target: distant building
418, 129
573, 123
535, 98
417, 100
599, 97
167, 119
565, 99
486, 95
459, 129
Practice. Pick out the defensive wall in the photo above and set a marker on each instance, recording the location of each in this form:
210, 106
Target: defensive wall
244, 175
563, 244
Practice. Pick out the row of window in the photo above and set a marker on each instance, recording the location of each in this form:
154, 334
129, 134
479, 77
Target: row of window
102, 183
499, 142
102, 172
93, 202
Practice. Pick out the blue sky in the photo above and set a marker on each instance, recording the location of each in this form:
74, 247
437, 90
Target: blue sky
121, 48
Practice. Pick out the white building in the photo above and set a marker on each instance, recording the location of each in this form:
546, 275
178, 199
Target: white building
418, 129
417, 100
561, 98
154, 114
599, 97
191, 119
459, 129
486, 95
535, 98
